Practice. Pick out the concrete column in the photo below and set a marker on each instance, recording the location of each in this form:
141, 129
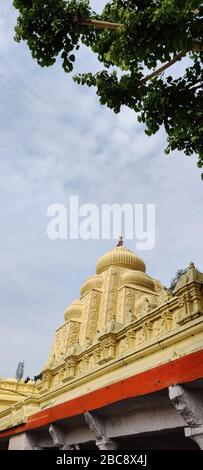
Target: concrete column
189, 405
59, 436
196, 434
22, 442
98, 428
106, 444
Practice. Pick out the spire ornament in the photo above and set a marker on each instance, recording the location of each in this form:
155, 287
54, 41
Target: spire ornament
120, 241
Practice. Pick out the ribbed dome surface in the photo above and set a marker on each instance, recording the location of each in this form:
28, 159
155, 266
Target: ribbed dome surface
121, 257
92, 282
137, 278
73, 311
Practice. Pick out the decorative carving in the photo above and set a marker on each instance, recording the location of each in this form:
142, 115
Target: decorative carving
70, 369
80, 368
107, 349
158, 326
98, 428
112, 293
95, 424
116, 320
101, 330
58, 347
73, 334
104, 299
188, 404
121, 305
66, 337
86, 299
149, 330
129, 303
189, 305
91, 361
109, 297
140, 335
46, 380
131, 339
130, 317
165, 296
59, 435
93, 315
158, 286
144, 305
87, 362
98, 354
123, 345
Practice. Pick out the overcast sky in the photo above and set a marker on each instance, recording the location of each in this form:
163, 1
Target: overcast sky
56, 140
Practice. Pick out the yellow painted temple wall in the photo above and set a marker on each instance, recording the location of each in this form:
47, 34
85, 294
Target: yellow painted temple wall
124, 323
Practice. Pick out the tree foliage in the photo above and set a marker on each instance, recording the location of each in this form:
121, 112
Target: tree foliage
176, 278
151, 33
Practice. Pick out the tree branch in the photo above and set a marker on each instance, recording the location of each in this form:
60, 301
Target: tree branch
196, 87
196, 45
164, 67
100, 24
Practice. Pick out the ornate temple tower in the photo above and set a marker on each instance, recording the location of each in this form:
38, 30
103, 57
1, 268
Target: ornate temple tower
115, 364
121, 292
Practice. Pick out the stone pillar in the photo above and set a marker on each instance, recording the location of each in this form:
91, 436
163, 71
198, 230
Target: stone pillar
22, 442
98, 428
106, 444
60, 437
189, 405
196, 434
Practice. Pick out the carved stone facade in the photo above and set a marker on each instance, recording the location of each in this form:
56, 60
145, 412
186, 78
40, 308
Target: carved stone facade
124, 321
122, 310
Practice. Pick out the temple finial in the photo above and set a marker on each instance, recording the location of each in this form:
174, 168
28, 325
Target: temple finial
120, 241
192, 265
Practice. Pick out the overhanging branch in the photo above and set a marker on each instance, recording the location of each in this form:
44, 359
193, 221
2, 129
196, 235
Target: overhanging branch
163, 67
99, 24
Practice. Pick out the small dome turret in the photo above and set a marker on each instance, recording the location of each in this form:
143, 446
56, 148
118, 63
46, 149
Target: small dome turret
137, 278
93, 282
73, 311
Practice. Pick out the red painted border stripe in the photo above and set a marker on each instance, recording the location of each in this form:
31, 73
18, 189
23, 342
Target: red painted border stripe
182, 370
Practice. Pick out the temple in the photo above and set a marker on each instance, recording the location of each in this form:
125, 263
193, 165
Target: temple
125, 369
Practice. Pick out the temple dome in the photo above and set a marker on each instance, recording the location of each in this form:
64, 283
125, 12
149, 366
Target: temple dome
93, 282
73, 311
121, 257
137, 278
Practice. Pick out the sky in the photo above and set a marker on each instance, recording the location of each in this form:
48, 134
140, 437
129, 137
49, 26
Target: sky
56, 140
